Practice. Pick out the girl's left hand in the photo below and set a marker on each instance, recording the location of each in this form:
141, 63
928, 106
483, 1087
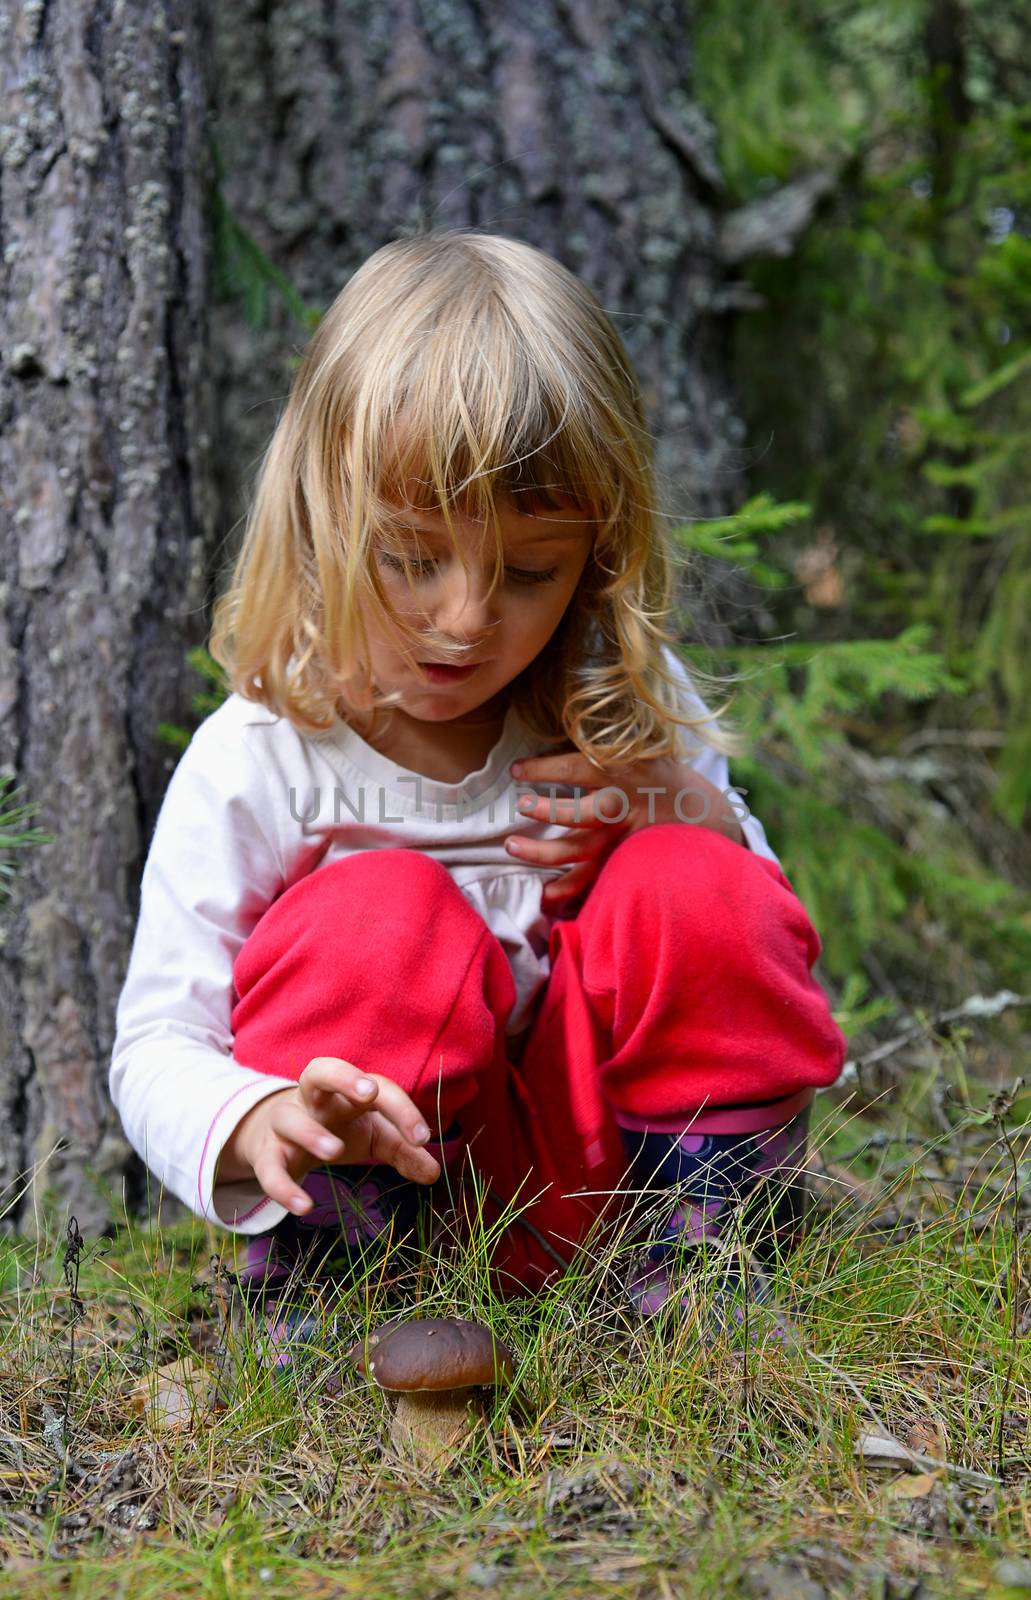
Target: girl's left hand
617, 803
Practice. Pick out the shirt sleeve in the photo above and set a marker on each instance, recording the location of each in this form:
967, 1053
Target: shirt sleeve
712, 764
213, 867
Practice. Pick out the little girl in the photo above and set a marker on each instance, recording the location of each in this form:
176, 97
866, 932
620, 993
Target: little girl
371, 946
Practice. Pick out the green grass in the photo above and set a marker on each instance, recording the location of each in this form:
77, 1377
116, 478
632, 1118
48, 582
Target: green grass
622, 1463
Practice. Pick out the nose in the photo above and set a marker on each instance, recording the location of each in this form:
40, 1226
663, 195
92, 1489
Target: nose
466, 612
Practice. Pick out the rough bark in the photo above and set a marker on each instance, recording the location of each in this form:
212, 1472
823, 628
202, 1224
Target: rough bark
337, 124
104, 511
568, 123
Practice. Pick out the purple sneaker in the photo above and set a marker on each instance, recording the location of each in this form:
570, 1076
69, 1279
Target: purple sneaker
283, 1336
666, 1291
293, 1335
710, 1177
360, 1213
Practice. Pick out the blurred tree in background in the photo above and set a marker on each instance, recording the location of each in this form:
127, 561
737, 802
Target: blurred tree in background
885, 376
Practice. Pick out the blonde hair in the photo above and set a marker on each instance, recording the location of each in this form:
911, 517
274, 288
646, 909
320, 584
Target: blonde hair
482, 368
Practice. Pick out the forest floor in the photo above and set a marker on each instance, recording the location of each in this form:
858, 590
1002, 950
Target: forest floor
621, 1463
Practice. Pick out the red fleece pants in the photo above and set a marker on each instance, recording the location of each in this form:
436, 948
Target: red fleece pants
683, 980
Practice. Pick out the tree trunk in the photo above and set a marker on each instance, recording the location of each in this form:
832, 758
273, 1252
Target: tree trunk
567, 123
337, 127
104, 511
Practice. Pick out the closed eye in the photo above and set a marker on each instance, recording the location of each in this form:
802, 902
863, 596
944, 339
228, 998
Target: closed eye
422, 569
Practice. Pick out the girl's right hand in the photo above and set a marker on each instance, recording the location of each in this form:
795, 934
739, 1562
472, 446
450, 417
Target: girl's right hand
335, 1114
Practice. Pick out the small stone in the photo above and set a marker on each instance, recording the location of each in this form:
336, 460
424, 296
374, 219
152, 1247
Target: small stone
24, 361
1013, 1572
484, 1577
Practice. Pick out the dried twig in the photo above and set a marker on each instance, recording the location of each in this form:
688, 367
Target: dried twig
976, 1005
998, 1107
73, 1249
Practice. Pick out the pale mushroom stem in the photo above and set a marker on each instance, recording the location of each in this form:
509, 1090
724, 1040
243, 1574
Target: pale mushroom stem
427, 1423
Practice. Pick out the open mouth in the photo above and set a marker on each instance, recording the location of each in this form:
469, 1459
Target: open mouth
441, 674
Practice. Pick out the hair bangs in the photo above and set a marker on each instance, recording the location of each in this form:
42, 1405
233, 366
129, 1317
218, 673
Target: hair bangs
482, 419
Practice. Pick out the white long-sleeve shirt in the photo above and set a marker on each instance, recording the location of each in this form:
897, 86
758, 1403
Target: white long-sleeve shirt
252, 806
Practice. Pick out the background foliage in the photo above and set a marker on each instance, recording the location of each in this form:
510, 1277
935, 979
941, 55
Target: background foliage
886, 383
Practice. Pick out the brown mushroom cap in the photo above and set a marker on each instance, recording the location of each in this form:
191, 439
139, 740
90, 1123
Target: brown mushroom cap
434, 1353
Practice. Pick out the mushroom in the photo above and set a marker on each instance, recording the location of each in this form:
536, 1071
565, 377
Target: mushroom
431, 1364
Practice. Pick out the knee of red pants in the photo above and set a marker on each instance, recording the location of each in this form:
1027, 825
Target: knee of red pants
708, 887
380, 960
695, 956
658, 861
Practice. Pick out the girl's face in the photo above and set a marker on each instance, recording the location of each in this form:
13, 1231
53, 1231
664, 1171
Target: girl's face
545, 556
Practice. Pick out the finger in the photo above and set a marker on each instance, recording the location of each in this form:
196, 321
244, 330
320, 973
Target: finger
598, 809
574, 846
571, 883
570, 766
542, 852
554, 808
291, 1121
399, 1109
272, 1171
339, 1093
328, 1076
410, 1160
